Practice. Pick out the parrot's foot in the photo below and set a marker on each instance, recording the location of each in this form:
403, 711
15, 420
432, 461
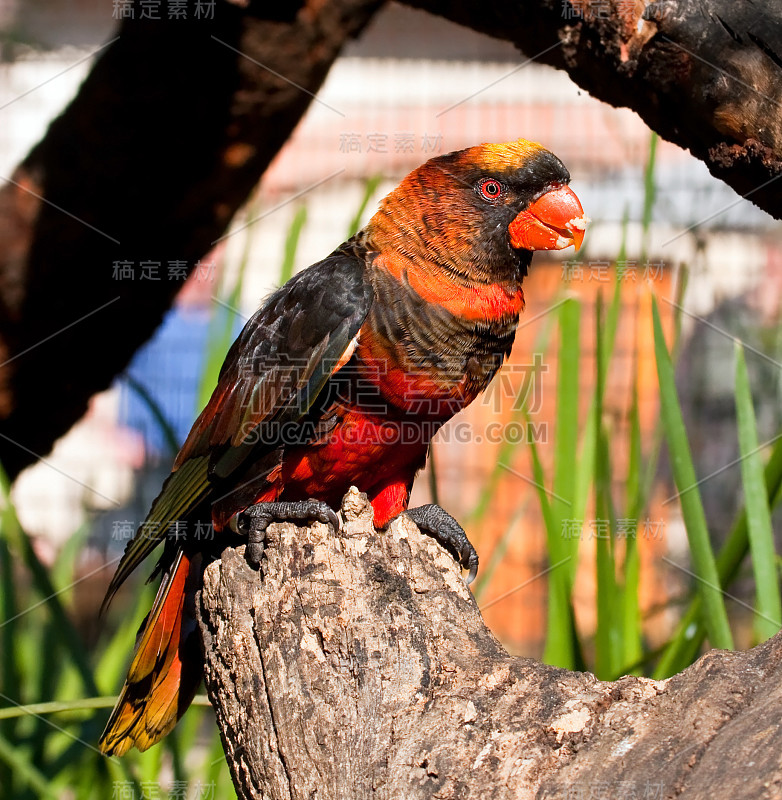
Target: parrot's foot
442, 527
253, 521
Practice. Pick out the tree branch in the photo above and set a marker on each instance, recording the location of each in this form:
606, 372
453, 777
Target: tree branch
704, 74
359, 665
167, 136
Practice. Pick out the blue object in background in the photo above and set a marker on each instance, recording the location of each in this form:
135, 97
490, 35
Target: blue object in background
169, 366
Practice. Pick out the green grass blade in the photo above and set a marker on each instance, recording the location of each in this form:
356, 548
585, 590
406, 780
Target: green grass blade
83, 704
737, 544
49, 674
650, 195
543, 496
25, 771
649, 473
705, 569
10, 669
585, 466
292, 244
370, 187
632, 646
604, 526
67, 635
559, 592
565, 450
560, 648
8, 603
607, 631
686, 642
761, 535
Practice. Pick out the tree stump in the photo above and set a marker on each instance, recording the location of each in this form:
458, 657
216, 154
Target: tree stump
358, 665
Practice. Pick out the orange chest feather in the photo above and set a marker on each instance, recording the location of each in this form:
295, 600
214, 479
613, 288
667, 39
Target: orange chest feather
475, 302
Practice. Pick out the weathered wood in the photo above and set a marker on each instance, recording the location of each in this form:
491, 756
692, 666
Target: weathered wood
358, 665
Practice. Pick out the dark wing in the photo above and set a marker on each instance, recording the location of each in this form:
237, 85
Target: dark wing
271, 376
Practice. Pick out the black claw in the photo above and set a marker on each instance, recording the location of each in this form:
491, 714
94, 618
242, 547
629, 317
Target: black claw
254, 554
442, 527
472, 565
253, 521
331, 518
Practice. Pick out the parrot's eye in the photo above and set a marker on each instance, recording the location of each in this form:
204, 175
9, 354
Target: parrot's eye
490, 189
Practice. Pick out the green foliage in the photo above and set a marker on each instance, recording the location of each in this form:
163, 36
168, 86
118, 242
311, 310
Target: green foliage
705, 569
48, 749
584, 470
620, 504
562, 501
768, 614
690, 634
292, 244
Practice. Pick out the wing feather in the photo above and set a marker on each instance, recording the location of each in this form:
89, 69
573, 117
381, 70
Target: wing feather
272, 375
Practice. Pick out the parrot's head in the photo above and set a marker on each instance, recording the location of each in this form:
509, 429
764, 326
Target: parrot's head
482, 211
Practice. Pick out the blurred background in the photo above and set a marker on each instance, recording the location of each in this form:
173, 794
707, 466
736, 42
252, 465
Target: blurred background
415, 86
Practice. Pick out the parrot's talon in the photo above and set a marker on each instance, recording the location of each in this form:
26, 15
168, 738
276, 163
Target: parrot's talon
443, 528
472, 565
253, 552
254, 520
332, 518
253, 526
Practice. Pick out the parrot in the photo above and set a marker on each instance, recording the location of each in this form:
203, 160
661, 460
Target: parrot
341, 379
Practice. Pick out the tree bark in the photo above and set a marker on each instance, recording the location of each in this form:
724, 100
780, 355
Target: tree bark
358, 665
704, 74
167, 136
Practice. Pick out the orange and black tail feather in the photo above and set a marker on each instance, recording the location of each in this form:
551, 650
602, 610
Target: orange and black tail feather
166, 670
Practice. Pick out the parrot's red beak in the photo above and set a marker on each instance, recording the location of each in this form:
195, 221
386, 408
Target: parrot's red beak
554, 221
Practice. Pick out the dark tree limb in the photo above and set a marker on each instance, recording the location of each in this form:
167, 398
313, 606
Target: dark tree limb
163, 143
705, 74
359, 665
